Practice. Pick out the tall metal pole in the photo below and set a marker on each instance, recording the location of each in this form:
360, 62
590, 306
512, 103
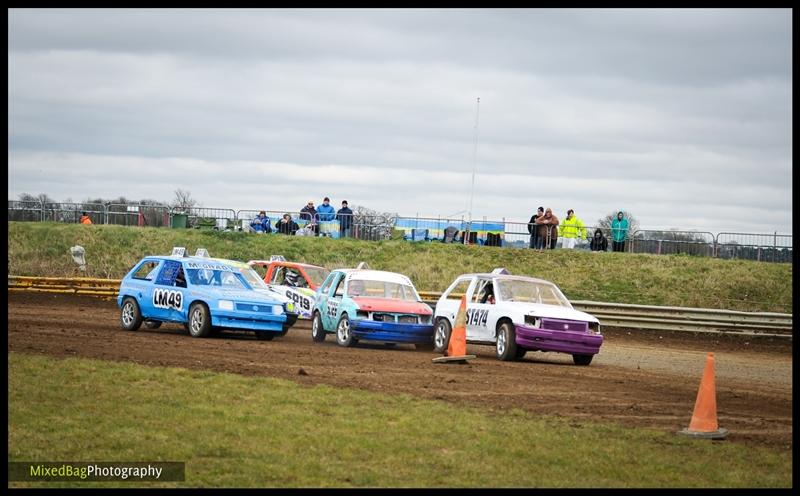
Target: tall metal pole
474, 166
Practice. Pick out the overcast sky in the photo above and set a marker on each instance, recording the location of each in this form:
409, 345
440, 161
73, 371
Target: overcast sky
682, 117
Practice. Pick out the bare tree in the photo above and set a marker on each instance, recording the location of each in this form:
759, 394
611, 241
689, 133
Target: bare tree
183, 201
371, 224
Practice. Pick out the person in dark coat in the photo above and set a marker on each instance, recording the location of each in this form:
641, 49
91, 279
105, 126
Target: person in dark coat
598, 242
345, 218
286, 225
309, 213
533, 229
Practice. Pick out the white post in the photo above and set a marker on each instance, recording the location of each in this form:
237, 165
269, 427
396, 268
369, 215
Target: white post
474, 166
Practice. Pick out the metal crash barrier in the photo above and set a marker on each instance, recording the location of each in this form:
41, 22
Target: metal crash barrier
622, 315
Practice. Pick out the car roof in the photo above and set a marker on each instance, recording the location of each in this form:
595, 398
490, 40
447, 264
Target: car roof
507, 277
204, 260
285, 263
377, 275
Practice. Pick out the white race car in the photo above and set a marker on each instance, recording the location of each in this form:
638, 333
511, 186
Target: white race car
517, 314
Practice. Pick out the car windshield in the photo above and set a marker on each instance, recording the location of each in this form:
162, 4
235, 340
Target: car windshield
317, 274
253, 279
381, 289
531, 292
210, 277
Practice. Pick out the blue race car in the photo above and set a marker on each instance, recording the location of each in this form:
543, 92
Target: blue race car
204, 294
371, 305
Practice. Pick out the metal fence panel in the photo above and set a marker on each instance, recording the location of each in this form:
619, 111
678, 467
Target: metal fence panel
126, 214
672, 242
70, 213
25, 211
761, 247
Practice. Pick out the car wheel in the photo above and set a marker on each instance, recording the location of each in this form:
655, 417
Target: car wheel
520, 353
582, 359
283, 331
344, 334
130, 317
317, 331
265, 336
199, 320
152, 324
441, 335
506, 345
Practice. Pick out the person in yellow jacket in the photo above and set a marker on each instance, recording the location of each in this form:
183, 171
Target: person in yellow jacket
571, 230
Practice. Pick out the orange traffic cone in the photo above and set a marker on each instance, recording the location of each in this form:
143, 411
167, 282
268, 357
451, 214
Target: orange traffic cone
704, 419
457, 347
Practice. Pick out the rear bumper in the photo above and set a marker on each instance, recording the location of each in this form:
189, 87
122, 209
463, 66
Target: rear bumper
580, 343
392, 331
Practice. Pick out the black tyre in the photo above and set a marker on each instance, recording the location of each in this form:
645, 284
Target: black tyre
265, 336
506, 345
130, 317
291, 319
344, 334
152, 324
441, 335
317, 331
582, 359
520, 353
199, 320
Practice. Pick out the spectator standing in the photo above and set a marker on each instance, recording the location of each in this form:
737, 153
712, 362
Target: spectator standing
548, 229
287, 225
85, 219
533, 229
345, 218
598, 242
326, 213
571, 230
261, 223
309, 213
619, 232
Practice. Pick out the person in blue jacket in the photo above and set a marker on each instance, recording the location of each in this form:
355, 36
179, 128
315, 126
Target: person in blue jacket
261, 223
619, 232
326, 213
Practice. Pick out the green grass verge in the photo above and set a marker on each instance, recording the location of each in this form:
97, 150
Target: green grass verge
41, 249
262, 432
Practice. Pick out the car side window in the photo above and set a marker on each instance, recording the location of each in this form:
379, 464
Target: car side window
459, 290
480, 293
278, 276
171, 274
147, 271
339, 292
326, 286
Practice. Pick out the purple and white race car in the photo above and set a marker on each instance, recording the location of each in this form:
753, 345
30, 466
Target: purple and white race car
517, 314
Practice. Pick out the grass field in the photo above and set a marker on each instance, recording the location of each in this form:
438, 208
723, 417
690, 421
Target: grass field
41, 249
236, 431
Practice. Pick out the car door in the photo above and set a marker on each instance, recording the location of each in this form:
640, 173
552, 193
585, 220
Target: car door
478, 309
334, 302
169, 292
323, 294
141, 282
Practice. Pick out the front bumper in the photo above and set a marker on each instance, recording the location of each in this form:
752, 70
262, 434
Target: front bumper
576, 342
243, 320
392, 332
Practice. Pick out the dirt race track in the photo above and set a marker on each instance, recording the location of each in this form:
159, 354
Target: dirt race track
640, 378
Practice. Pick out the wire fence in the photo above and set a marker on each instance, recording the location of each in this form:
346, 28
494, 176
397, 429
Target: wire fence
375, 227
